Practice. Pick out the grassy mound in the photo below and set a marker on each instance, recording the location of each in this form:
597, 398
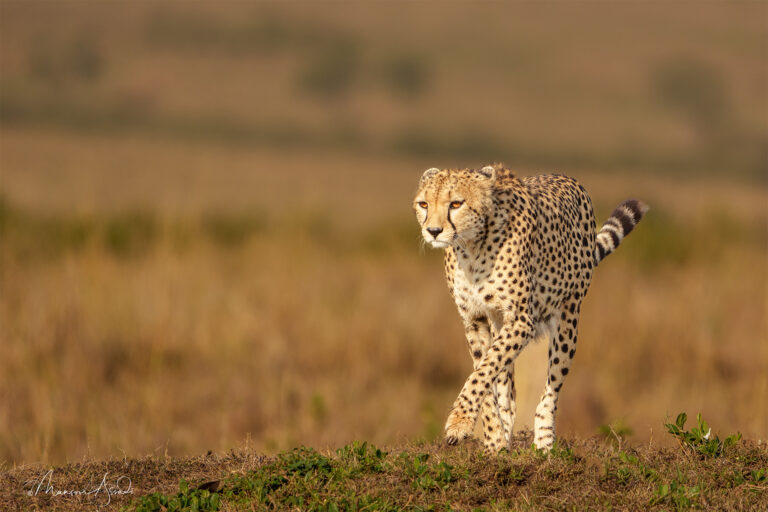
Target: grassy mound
703, 472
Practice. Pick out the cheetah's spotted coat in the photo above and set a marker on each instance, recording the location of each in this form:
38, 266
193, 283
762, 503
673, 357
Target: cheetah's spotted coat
519, 257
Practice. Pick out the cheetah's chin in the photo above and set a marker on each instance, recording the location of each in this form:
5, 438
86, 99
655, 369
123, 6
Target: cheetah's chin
439, 244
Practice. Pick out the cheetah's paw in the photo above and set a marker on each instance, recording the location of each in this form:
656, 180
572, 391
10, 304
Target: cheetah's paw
458, 427
544, 443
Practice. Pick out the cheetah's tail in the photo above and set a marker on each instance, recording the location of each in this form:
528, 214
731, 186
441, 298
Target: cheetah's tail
621, 222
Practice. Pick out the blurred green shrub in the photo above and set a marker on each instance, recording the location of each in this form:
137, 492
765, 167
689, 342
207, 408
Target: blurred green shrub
85, 58
390, 236
407, 75
331, 70
79, 59
5, 217
318, 408
131, 234
44, 236
230, 230
263, 31
472, 144
696, 90
660, 240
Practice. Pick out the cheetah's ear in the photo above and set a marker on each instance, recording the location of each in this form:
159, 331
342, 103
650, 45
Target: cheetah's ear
429, 173
489, 171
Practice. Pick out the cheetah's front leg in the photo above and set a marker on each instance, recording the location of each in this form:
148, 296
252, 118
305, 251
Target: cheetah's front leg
514, 335
497, 410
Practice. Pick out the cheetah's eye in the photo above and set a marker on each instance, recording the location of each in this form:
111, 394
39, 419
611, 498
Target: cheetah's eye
422, 204
456, 204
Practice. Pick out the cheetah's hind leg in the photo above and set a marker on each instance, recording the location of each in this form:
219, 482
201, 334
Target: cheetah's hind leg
562, 346
504, 392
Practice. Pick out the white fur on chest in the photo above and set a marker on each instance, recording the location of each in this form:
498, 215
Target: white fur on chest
471, 290
469, 294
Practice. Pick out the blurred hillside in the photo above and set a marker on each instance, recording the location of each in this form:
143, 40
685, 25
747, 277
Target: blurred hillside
645, 88
205, 226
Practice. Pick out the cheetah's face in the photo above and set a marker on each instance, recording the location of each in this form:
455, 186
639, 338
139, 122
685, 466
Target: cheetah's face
452, 205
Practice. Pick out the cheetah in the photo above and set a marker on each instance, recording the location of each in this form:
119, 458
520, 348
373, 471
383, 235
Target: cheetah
519, 257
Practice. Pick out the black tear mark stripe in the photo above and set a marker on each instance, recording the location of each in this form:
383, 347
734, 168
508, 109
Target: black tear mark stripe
450, 221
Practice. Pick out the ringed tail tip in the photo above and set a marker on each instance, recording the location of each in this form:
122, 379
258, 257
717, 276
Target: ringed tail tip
621, 222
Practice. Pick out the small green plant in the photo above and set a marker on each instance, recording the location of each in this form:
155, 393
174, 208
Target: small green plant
677, 494
508, 473
444, 474
737, 477
558, 450
700, 438
303, 461
361, 457
186, 500
427, 476
629, 458
561, 451
418, 469
634, 467
759, 475
256, 485
624, 475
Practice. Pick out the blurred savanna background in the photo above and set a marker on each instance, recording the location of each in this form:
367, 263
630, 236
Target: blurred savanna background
206, 236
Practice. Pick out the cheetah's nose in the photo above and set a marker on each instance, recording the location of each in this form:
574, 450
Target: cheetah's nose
435, 231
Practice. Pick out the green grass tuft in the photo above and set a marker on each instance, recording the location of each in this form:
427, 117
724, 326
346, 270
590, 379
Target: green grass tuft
700, 439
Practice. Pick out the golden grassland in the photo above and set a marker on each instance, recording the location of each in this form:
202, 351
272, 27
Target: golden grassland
205, 230
315, 320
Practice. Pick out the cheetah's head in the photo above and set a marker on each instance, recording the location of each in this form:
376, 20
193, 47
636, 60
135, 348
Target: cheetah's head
452, 205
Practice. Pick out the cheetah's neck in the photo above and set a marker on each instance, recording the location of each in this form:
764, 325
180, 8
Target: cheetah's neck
476, 257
